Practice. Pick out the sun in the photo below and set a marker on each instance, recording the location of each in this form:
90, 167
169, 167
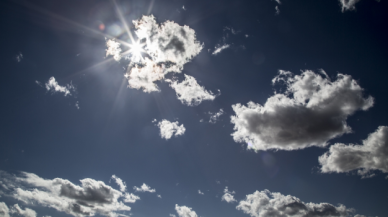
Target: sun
136, 49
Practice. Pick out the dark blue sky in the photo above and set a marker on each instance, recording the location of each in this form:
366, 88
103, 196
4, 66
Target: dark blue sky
43, 132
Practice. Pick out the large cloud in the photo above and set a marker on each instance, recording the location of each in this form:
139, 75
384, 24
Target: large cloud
371, 155
169, 129
184, 211
266, 204
311, 111
90, 198
189, 92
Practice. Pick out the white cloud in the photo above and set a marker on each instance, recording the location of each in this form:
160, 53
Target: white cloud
19, 57
120, 183
371, 155
4, 211
169, 129
172, 215
312, 111
200, 192
113, 49
160, 196
144, 188
264, 204
214, 118
77, 105
277, 10
53, 85
15, 209
348, 4
228, 196
278, 1
130, 198
219, 48
90, 198
189, 92
184, 211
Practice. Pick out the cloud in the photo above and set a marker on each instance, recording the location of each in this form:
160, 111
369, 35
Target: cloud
184, 211
15, 209
120, 183
160, 196
371, 155
130, 198
4, 211
264, 204
348, 4
200, 192
277, 10
169, 129
172, 215
90, 198
144, 188
278, 1
219, 48
19, 57
214, 118
189, 92
113, 49
311, 111
53, 86
228, 196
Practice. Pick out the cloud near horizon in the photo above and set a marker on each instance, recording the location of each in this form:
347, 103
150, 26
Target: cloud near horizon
371, 155
311, 111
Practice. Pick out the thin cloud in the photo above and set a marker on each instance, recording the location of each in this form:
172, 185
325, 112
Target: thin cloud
19, 57
348, 5
200, 192
190, 93
160, 196
220, 48
265, 203
277, 10
90, 198
120, 183
184, 211
53, 86
228, 196
169, 129
311, 111
214, 117
371, 155
144, 188
130, 198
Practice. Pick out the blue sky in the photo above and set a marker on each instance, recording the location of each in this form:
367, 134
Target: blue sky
193, 108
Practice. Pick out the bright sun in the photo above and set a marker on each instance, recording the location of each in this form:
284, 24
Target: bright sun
136, 49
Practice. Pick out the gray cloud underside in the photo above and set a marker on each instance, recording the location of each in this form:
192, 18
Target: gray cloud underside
371, 155
311, 111
268, 204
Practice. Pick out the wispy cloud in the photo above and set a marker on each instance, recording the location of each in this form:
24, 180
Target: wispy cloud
53, 86
144, 188
200, 192
214, 117
120, 183
228, 196
220, 48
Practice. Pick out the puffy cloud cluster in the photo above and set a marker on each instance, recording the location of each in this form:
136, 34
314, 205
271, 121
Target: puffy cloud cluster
113, 49
184, 211
189, 92
88, 199
214, 117
53, 86
144, 188
169, 129
264, 204
311, 111
348, 4
371, 155
228, 196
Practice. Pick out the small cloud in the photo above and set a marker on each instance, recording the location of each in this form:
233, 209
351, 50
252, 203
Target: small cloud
228, 196
200, 192
113, 49
169, 129
130, 198
53, 86
77, 105
214, 118
277, 10
38, 83
19, 57
172, 215
220, 48
160, 196
144, 188
278, 1
348, 5
183, 7
120, 183
246, 35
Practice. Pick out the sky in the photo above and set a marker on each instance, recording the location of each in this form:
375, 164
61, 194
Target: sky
183, 108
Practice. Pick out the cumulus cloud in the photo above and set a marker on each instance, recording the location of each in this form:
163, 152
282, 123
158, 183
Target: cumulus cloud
189, 92
371, 155
264, 204
4, 211
15, 209
88, 199
214, 117
228, 196
130, 198
200, 192
53, 86
144, 188
120, 183
219, 48
312, 110
184, 211
348, 4
113, 49
169, 129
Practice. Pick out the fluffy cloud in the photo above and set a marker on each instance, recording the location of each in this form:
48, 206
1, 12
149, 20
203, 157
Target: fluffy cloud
214, 117
169, 129
120, 183
184, 211
219, 48
88, 199
4, 211
228, 196
189, 92
113, 49
53, 86
144, 188
311, 111
348, 4
265, 204
130, 198
15, 209
371, 155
